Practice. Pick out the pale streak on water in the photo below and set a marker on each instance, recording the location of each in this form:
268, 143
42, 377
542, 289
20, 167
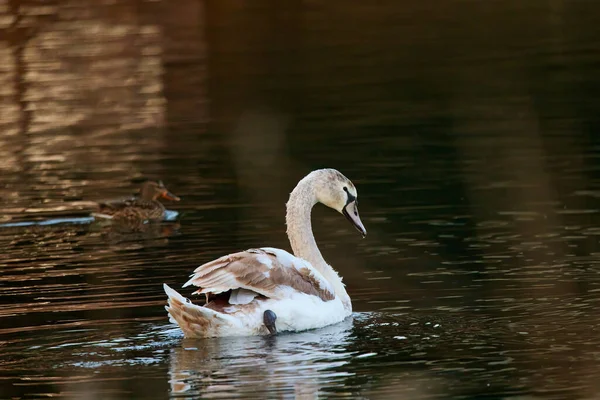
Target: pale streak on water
469, 130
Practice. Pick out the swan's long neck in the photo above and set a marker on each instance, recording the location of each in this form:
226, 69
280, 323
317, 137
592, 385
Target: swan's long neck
299, 230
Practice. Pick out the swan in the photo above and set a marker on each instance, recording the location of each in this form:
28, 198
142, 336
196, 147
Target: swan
266, 290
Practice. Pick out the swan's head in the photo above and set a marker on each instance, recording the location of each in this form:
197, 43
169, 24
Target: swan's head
336, 191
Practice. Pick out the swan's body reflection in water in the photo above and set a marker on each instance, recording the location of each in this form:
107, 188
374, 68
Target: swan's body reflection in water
288, 365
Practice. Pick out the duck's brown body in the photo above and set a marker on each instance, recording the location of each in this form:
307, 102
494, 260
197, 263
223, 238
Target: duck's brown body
133, 209
146, 207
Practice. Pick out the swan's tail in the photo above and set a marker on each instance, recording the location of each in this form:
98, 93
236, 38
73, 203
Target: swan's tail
197, 321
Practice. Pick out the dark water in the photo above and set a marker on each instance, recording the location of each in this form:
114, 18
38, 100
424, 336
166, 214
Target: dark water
469, 129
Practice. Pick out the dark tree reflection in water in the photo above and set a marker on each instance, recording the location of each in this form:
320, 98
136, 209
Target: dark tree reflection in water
469, 129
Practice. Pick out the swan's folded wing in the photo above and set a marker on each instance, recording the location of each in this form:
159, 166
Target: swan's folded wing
268, 272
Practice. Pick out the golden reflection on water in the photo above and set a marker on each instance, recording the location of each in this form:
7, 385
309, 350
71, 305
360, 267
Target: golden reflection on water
84, 100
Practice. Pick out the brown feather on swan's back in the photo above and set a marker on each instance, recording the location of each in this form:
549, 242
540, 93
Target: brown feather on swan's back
258, 270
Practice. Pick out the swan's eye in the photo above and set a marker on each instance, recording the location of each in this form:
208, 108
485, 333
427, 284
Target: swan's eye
345, 189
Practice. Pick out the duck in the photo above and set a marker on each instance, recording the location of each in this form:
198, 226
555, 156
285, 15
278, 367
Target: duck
141, 209
265, 291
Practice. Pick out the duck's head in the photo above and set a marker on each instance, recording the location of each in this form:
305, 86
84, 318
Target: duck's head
152, 190
336, 191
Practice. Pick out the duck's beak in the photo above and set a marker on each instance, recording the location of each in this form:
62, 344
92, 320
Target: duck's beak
351, 212
169, 196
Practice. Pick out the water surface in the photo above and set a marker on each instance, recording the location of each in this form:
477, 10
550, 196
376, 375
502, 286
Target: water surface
469, 130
